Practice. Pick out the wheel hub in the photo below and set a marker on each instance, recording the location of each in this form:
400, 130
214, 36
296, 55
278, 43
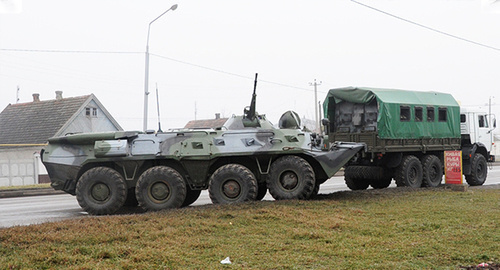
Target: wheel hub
434, 172
160, 191
231, 189
100, 192
289, 180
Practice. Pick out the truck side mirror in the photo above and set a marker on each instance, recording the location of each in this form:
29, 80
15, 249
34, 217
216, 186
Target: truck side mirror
326, 125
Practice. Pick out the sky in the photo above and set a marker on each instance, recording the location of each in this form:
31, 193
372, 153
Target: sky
204, 54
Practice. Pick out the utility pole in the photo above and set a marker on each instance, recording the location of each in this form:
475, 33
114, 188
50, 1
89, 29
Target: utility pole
316, 113
320, 129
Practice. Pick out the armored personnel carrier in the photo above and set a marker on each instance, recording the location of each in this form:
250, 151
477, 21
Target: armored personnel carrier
237, 162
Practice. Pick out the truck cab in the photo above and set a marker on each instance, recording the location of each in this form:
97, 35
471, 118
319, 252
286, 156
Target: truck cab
477, 127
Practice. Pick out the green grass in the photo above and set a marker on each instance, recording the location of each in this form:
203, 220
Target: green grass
374, 229
25, 187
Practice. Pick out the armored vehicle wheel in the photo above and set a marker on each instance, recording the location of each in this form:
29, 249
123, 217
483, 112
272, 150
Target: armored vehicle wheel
191, 196
232, 183
101, 191
409, 173
432, 171
290, 178
315, 192
479, 171
262, 191
159, 188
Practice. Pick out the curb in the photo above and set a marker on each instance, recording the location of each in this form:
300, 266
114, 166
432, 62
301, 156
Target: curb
29, 192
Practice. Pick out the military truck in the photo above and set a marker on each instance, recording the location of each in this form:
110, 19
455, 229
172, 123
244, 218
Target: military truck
237, 162
406, 134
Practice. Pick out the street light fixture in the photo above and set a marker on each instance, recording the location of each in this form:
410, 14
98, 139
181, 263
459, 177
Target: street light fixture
146, 76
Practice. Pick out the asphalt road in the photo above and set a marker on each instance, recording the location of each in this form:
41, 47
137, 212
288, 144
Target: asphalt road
22, 211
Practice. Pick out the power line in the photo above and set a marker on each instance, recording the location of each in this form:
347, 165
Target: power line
160, 56
427, 27
229, 73
70, 51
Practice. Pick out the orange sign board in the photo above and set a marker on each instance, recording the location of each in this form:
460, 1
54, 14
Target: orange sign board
453, 167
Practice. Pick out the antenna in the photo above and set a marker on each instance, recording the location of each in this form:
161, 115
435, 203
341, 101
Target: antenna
158, 108
17, 94
195, 110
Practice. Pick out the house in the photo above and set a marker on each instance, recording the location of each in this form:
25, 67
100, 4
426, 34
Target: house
26, 127
207, 123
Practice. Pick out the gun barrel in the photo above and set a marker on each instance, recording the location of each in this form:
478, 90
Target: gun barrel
251, 114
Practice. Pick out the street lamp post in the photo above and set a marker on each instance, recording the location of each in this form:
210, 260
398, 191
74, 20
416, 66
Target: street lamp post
146, 76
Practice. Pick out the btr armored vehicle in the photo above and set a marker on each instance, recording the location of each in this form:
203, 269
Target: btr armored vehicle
237, 162
406, 134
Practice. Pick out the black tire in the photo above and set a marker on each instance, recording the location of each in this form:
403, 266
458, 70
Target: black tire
381, 177
101, 191
262, 191
232, 183
191, 196
315, 192
291, 178
479, 171
409, 173
160, 188
355, 178
432, 171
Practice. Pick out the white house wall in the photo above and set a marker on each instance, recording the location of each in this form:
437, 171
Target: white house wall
84, 123
20, 166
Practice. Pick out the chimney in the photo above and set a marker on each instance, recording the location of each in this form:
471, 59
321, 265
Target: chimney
59, 95
217, 116
36, 97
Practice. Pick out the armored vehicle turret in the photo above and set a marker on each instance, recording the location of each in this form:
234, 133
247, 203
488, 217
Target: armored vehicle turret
237, 162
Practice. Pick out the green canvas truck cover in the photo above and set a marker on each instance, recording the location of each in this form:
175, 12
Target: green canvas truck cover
392, 103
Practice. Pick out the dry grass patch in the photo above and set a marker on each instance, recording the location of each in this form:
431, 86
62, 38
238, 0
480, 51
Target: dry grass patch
374, 229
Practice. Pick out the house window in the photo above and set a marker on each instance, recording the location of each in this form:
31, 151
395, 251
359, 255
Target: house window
91, 112
404, 113
430, 114
443, 115
419, 114
463, 118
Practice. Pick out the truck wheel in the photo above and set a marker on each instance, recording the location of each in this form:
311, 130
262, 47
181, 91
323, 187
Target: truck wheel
432, 171
479, 171
380, 177
159, 188
191, 196
355, 178
383, 178
232, 183
409, 173
291, 178
101, 191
